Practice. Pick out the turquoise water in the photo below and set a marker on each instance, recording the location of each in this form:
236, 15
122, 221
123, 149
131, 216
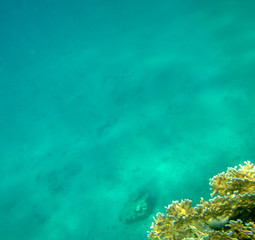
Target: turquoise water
101, 100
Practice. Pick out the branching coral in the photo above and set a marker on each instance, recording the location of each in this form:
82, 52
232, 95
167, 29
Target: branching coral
240, 180
229, 215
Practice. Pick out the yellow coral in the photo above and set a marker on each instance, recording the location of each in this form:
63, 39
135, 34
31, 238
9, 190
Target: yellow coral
240, 180
229, 215
239, 230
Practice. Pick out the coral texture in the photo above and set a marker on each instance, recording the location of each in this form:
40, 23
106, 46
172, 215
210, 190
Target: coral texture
230, 214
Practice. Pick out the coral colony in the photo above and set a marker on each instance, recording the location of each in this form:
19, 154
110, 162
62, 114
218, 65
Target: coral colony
229, 214
138, 207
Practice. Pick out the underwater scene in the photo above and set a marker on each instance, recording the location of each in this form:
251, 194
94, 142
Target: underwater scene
116, 117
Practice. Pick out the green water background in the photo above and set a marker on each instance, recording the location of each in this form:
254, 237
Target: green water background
99, 99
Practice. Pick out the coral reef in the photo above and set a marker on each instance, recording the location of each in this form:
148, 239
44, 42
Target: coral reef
230, 214
138, 207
